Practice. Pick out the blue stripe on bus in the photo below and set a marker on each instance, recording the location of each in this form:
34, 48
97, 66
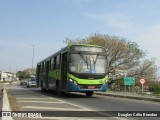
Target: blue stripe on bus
74, 88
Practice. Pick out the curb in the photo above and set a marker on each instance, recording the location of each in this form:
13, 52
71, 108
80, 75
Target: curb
131, 97
6, 106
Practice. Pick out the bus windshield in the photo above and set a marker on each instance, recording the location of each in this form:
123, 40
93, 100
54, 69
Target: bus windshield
88, 63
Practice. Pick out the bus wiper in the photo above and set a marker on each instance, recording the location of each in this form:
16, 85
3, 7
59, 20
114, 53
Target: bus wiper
85, 60
94, 61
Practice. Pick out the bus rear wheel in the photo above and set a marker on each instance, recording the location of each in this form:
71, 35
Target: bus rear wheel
88, 94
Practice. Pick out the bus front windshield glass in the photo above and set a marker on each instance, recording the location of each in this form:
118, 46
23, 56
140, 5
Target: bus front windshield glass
86, 63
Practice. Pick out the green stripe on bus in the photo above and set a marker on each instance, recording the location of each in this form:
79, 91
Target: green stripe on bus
87, 81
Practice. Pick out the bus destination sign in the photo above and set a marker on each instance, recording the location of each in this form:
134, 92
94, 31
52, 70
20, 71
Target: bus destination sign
88, 49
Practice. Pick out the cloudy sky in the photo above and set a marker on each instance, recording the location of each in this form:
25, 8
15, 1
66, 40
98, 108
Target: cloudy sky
47, 23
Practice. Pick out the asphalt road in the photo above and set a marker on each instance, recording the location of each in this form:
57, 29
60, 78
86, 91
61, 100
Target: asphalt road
34, 100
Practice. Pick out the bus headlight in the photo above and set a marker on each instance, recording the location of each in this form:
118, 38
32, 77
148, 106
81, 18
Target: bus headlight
105, 82
72, 81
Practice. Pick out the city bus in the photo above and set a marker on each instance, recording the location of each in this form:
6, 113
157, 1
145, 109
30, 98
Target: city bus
74, 68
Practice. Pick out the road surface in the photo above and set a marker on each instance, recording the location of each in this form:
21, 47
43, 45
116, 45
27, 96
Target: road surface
32, 99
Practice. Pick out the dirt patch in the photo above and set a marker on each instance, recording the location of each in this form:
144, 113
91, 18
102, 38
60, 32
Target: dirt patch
12, 101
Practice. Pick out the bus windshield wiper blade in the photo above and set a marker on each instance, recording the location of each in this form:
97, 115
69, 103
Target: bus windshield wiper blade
85, 60
94, 61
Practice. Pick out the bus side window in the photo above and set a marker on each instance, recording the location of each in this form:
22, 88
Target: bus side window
42, 69
50, 65
58, 62
54, 65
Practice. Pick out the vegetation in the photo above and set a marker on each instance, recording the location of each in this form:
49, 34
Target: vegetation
157, 88
121, 54
26, 73
136, 88
124, 58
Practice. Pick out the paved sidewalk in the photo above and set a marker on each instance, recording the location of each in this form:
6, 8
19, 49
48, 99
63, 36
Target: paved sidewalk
130, 95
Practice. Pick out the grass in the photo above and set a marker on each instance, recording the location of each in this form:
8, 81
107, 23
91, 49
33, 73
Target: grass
156, 94
13, 102
3, 81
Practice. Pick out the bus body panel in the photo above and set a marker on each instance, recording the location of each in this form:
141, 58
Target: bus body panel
56, 77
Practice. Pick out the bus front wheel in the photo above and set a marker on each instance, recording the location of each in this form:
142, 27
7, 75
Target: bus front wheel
89, 93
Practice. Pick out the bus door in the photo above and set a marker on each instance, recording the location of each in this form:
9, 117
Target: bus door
47, 73
38, 74
64, 71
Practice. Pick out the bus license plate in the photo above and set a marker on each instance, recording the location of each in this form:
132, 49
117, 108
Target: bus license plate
90, 87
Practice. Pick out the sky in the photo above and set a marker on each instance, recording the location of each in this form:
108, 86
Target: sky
47, 23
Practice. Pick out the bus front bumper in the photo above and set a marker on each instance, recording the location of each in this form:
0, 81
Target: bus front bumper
71, 87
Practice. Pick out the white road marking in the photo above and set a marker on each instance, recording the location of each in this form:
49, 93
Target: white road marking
39, 101
19, 98
61, 101
51, 108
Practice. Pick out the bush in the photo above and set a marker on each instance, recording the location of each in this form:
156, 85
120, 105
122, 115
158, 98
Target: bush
157, 88
136, 88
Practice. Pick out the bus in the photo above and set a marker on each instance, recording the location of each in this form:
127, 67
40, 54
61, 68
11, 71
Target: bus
74, 68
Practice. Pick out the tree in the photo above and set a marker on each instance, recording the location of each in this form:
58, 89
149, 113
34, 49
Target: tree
26, 73
124, 59
22, 75
146, 68
157, 88
30, 71
121, 54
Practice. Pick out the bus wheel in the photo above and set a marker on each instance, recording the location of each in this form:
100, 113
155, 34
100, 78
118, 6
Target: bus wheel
89, 93
42, 89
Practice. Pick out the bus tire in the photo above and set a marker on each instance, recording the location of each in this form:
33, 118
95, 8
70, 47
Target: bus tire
42, 89
90, 93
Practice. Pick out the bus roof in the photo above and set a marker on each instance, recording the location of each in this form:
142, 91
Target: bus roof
65, 49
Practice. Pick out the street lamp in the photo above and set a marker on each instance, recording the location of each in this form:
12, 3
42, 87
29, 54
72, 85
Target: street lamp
33, 56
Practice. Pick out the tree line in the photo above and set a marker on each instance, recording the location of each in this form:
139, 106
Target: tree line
124, 58
24, 74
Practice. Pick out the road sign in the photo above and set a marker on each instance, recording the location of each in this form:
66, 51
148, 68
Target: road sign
129, 81
142, 80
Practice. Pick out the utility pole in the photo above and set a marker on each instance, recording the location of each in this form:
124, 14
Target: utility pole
33, 55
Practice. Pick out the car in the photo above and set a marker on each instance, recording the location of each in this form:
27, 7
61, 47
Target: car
31, 82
